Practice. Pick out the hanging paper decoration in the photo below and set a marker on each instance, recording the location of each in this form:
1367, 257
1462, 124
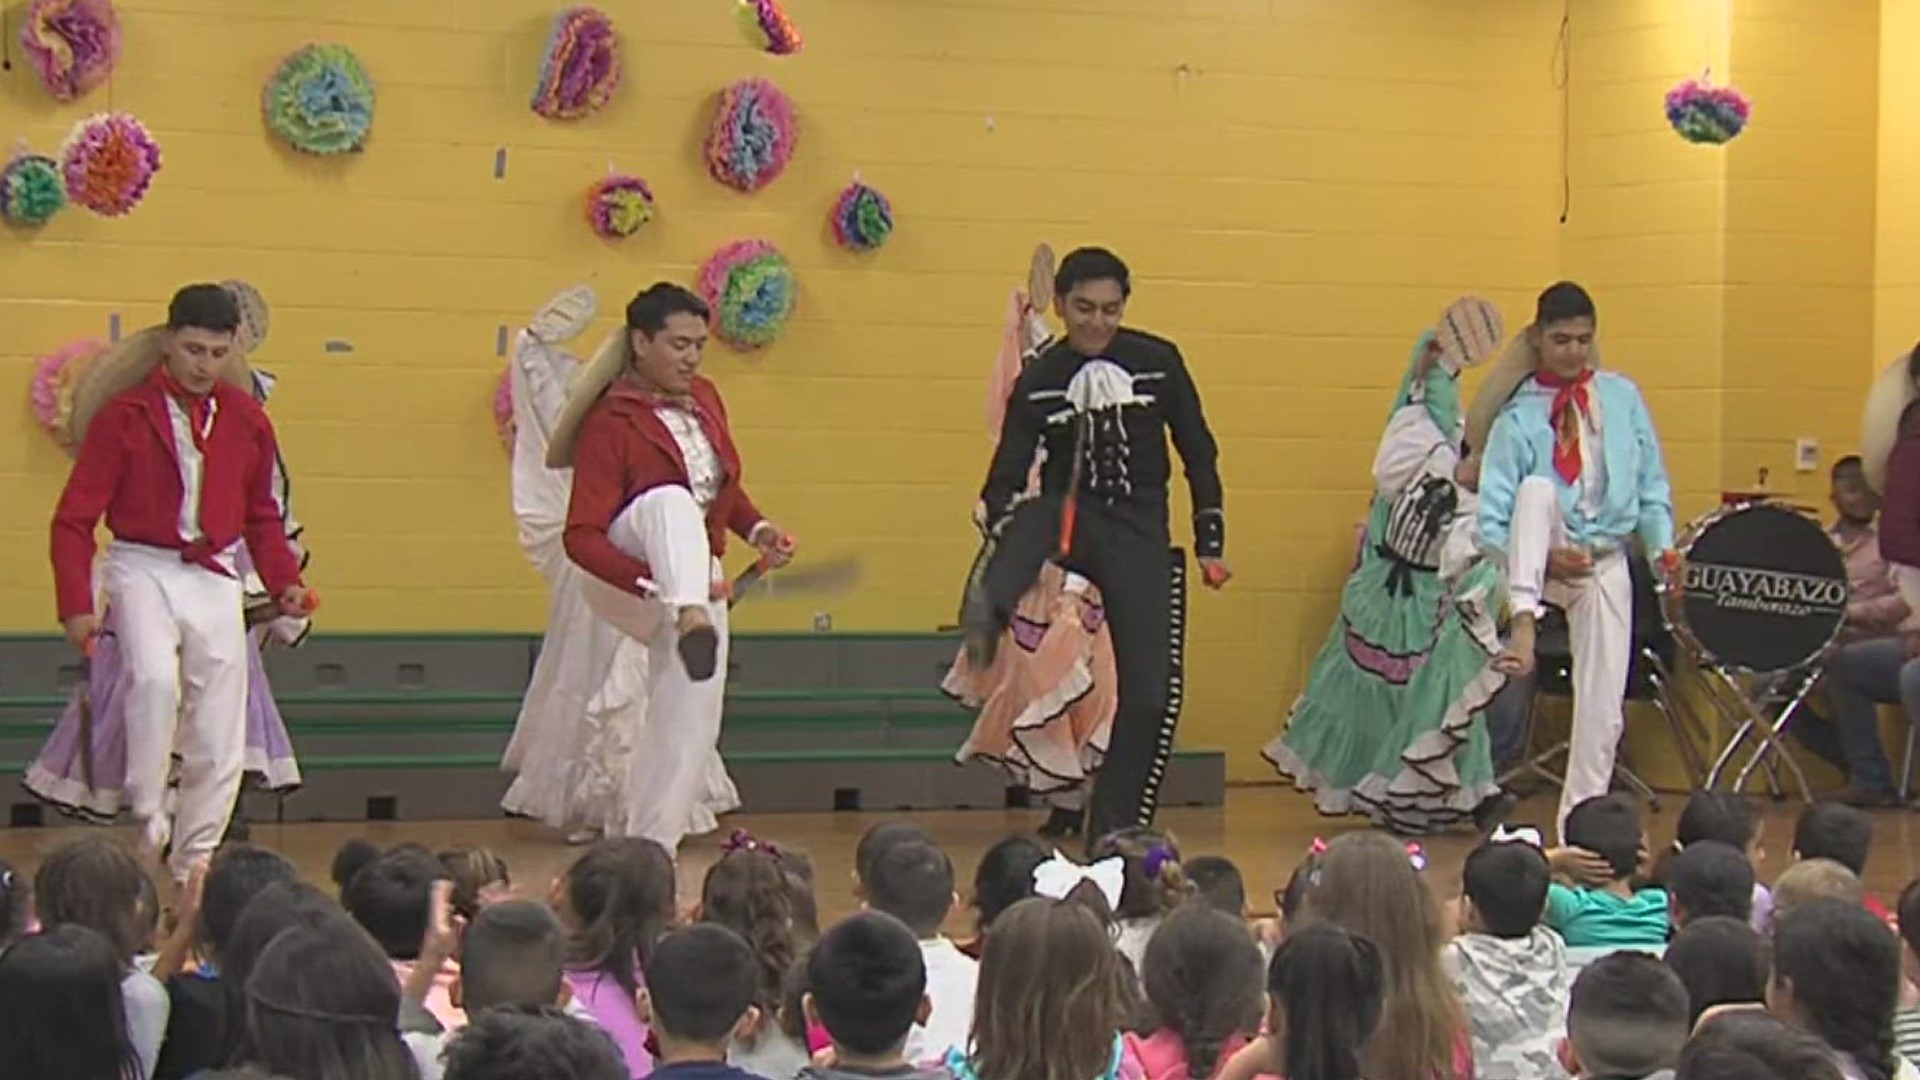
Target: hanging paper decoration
72, 44
582, 65
1704, 113
766, 26
503, 410
51, 391
862, 218
617, 205
31, 191
750, 287
753, 135
320, 101
109, 161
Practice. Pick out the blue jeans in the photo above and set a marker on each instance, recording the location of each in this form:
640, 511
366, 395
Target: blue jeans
1859, 678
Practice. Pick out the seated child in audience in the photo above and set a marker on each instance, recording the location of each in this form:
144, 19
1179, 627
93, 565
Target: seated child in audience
353, 856
1509, 970
1217, 881
392, 899
277, 909
616, 901
1834, 830
1755, 1046
1730, 818
748, 892
702, 986
96, 883
875, 843
1326, 990
1815, 879
1204, 981
518, 1042
479, 878
1906, 1022
1722, 962
16, 894
1709, 879
1054, 998
1614, 914
514, 954
320, 1001
1155, 885
59, 997
1626, 1019
199, 1022
797, 866
1002, 878
1836, 974
913, 882
868, 987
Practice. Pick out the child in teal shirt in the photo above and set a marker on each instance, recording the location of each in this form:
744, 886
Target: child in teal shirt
1613, 913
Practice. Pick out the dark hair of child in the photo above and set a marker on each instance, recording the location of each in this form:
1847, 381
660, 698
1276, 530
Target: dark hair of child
913, 883
1908, 912
353, 856
472, 870
60, 997
274, 910
321, 1003
867, 977
1155, 883
96, 883
1217, 881
1627, 1016
621, 895
1721, 961
16, 892
237, 874
880, 839
1755, 1046
797, 865
747, 892
1053, 994
1327, 987
512, 954
1004, 876
1507, 885
1710, 878
1834, 830
1726, 816
1842, 969
704, 979
518, 1042
1204, 978
1610, 826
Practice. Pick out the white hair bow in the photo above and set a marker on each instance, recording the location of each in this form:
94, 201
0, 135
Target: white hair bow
1522, 835
1059, 876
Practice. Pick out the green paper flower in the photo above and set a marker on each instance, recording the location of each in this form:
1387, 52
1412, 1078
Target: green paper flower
321, 101
31, 191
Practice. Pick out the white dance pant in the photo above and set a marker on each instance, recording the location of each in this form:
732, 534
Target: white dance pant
184, 641
666, 529
1599, 611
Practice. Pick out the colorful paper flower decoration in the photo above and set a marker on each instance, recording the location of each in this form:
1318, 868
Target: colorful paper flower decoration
753, 135
862, 218
72, 44
109, 161
51, 391
766, 26
503, 410
31, 191
581, 68
618, 205
751, 289
320, 101
1703, 113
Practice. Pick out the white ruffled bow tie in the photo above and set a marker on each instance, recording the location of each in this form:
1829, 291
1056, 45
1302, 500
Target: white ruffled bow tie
1059, 876
1522, 835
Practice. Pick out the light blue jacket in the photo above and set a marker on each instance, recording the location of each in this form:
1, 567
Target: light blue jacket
1639, 498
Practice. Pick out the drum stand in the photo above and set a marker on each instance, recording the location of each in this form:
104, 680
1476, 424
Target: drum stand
1759, 705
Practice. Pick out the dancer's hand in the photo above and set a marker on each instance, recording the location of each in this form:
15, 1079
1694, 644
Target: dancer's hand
775, 545
1215, 572
1567, 564
298, 600
81, 630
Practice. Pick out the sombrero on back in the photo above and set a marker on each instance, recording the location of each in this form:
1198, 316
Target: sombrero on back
614, 357
1887, 401
1469, 331
1502, 380
1040, 277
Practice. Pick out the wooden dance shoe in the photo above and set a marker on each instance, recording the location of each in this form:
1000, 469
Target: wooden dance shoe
699, 645
1063, 823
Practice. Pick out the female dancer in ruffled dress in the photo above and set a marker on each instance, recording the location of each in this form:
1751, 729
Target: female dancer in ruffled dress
1046, 704
82, 769
586, 702
1390, 722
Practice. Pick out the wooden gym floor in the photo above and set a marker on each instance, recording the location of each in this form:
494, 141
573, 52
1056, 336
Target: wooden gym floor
1263, 829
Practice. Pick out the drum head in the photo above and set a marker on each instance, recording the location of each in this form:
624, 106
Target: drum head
1766, 589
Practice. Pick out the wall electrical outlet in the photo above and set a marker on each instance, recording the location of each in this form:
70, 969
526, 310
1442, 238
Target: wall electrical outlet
1806, 455
822, 623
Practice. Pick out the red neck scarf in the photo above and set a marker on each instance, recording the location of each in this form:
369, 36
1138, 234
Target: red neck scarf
1571, 404
199, 407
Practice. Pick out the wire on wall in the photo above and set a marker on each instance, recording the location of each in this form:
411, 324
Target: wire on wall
1562, 68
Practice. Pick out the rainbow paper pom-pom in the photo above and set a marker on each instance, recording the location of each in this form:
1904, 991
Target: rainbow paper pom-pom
862, 218
320, 101
31, 191
618, 205
72, 44
503, 424
750, 287
753, 135
766, 26
582, 65
1702, 113
51, 391
109, 161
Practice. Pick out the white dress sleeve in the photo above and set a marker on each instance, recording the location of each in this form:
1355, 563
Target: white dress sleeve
1412, 447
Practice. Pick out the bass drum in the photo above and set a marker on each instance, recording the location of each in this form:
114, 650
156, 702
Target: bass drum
1764, 589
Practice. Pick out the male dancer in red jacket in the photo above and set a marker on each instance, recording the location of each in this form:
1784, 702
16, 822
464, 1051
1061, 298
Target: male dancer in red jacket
656, 488
179, 457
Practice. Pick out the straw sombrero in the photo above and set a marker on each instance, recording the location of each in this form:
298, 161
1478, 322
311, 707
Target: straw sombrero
564, 317
1502, 380
131, 359
1040, 277
614, 357
1887, 401
1469, 331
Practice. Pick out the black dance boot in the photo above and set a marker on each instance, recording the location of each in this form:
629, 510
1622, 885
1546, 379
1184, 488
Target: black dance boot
1062, 823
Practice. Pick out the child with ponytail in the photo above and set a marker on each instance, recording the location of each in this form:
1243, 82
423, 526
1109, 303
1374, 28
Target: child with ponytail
1155, 885
751, 892
1203, 978
617, 901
